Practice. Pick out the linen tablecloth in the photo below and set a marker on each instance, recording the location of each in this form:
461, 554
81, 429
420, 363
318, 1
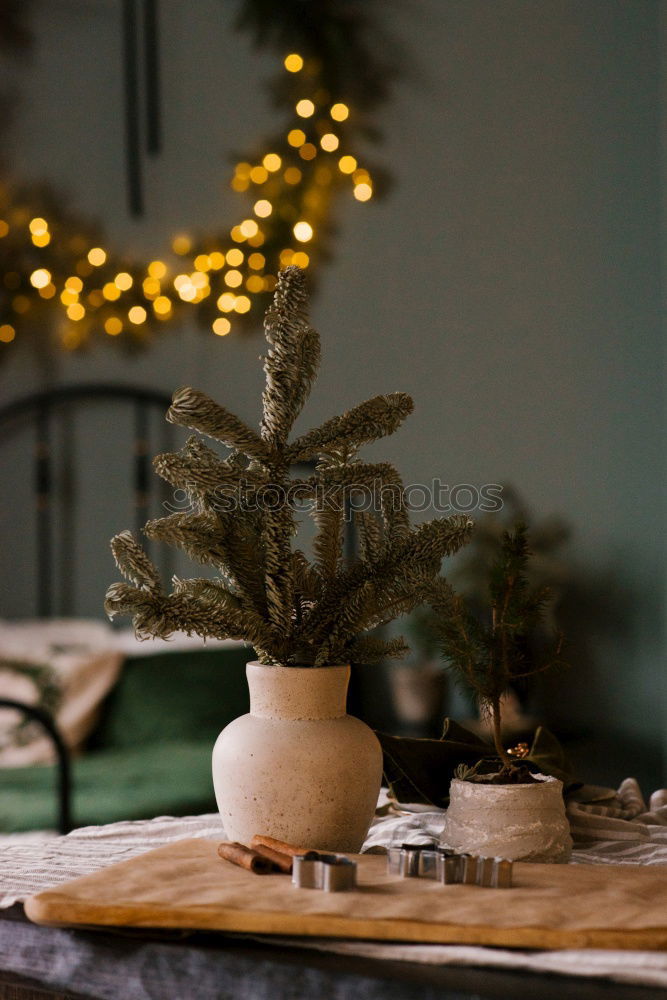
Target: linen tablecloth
618, 828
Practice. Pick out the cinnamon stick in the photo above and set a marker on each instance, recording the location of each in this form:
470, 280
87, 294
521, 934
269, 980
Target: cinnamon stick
242, 856
282, 861
259, 840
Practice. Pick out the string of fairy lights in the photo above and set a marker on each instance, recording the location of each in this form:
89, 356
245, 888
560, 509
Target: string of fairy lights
52, 274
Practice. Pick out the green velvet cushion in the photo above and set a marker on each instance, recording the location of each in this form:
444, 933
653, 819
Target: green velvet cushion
172, 779
184, 695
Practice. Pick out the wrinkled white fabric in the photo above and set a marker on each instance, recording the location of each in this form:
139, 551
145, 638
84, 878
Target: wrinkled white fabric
29, 866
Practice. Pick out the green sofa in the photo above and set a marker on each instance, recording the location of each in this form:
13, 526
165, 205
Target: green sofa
150, 754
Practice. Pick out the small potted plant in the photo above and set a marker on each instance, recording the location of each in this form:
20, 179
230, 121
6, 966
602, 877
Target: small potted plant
501, 808
297, 767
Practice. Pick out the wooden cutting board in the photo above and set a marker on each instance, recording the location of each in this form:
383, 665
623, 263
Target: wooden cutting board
186, 885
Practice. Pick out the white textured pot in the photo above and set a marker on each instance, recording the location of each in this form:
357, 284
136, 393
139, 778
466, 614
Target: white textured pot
297, 767
519, 822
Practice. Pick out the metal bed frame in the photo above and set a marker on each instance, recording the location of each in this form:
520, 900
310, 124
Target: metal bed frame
49, 468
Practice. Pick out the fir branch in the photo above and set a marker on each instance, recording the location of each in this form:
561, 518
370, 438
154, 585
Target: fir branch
133, 562
489, 658
368, 649
292, 612
369, 532
375, 418
306, 580
328, 514
291, 364
198, 468
382, 485
191, 408
195, 533
277, 535
160, 616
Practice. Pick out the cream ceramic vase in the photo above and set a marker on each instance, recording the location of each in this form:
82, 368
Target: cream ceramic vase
298, 768
518, 822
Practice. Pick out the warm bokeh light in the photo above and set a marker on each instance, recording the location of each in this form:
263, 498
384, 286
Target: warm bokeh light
258, 175
307, 151
303, 231
137, 315
347, 164
272, 162
293, 62
187, 292
75, 312
181, 245
162, 305
83, 268
329, 142
235, 256
233, 279
97, 256
124, 281
157, 269
221, 326
249, 227
263, 208
339, 112
113, 326
362, 192
270, 173
20, 304
40, 278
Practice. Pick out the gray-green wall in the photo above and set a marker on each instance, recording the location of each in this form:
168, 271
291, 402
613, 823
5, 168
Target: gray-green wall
511, 282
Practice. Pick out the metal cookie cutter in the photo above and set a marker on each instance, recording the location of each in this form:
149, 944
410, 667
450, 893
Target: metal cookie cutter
330, 872
448, 867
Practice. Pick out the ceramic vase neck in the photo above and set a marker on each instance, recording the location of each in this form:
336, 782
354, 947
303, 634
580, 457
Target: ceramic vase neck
297, 692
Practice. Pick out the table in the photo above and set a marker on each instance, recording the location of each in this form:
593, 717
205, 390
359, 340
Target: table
38, 962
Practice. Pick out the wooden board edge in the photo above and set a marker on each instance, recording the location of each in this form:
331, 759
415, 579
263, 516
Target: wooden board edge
47, 908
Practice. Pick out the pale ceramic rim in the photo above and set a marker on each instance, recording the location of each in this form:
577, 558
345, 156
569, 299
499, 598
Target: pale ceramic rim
544, 780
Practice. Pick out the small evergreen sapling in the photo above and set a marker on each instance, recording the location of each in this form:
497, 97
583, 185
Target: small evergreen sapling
488, 656
294, 612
